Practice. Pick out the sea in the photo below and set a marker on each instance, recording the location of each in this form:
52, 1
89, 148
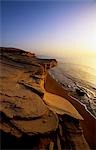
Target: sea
74, 73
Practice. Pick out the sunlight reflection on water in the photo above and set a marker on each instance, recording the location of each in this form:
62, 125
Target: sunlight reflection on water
83, 68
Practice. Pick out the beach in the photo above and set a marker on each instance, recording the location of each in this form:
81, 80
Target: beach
89, 122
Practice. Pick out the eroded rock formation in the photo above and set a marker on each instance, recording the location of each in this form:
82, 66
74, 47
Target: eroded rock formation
26, 121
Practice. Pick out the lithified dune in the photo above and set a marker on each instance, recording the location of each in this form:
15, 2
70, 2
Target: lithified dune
31, 117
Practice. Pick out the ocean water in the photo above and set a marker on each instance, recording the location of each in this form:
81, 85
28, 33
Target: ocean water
83, 68
73, 73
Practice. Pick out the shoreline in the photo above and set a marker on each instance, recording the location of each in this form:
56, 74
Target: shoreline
82, 105
89, 122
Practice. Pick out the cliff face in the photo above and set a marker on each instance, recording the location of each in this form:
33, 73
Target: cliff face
25, 118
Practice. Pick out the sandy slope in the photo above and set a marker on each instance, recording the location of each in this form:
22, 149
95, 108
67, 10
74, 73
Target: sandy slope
60, 105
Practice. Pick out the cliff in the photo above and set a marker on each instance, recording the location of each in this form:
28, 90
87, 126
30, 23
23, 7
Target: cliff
26, 120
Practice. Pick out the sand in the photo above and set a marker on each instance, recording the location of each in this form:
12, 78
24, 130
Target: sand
89, 122
60, 105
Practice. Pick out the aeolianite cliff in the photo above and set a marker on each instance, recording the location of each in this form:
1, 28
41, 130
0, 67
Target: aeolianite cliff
26, 121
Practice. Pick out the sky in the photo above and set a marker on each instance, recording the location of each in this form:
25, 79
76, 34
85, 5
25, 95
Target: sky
55, 28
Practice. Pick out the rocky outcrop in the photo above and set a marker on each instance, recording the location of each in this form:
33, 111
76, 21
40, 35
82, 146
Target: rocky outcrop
16, 51
26, 121
21, 94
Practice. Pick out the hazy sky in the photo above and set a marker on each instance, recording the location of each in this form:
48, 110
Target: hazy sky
56, 28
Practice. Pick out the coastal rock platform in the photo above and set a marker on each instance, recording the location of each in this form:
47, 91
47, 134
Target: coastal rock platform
27, 121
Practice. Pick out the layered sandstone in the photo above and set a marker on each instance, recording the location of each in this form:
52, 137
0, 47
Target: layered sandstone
24, 112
